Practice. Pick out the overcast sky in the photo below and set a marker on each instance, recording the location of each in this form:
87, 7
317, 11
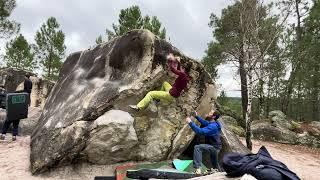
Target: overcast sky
82, 21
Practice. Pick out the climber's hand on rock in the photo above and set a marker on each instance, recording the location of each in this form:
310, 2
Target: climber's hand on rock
196, 113
188, 120
177, 58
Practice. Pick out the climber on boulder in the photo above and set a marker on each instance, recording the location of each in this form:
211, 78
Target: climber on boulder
212, 132
167, 92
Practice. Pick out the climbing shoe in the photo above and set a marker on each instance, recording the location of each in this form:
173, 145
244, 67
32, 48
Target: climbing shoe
14, 138
212, 170
197, 171
157, 101
2, 137
135, 107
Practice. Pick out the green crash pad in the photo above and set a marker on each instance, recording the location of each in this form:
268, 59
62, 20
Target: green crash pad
187, 165
181, 165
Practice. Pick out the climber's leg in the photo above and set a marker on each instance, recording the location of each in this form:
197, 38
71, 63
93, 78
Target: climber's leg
166, 86
160, 95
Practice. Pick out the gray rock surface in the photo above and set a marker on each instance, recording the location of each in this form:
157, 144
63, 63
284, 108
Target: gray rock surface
280, 129
233, 125
13, 80
113, 129
85, 117
230, 142
266, 131
279, 119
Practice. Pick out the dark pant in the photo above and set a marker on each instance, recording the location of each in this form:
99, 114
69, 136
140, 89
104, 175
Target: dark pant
197, 155
15, 125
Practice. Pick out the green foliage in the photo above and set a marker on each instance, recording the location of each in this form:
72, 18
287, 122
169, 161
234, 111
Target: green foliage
19, 54
7, 27
294, 126
131, 18
154, 25
223, 99
234, 103
212, 59
99, 40
50, 48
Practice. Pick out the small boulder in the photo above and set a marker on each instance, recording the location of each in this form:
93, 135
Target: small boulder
111, 138
279, 119
266, 131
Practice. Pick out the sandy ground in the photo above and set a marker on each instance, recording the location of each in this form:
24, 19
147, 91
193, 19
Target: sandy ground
14, 162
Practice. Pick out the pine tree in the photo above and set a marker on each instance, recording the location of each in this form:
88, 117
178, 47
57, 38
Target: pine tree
19, 54
99, 40
50, 48
131, 18
7, 27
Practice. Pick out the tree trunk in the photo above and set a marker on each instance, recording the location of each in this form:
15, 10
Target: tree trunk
248, 112
295, 64
268, 100
49, 66
316, 94
244, 90
261, 99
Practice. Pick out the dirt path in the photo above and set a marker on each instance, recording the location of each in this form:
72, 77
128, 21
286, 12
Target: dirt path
304, 161
14, 162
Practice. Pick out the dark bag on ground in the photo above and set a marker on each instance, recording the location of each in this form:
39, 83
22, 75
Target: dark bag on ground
261, 165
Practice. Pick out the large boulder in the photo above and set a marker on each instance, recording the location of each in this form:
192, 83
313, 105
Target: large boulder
12, 79
87, 118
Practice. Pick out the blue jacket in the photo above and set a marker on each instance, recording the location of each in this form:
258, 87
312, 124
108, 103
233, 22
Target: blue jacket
211, 131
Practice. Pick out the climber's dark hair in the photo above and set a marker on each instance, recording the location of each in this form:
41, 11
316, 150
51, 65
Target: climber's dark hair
216, 115
27, 75
187, 67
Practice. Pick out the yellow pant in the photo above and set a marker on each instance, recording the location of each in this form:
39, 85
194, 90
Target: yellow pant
162, 95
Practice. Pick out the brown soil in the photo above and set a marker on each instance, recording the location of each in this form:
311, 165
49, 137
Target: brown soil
14, 162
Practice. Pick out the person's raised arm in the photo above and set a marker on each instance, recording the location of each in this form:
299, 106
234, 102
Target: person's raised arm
203, 131
202, 121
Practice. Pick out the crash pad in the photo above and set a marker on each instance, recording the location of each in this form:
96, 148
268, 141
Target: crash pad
187, 165
164, 168
181, 165
105, 178
160, 174
121, 170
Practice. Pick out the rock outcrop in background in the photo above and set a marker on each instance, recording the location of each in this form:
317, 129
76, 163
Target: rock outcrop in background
279, 129
13, 79
87, 118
